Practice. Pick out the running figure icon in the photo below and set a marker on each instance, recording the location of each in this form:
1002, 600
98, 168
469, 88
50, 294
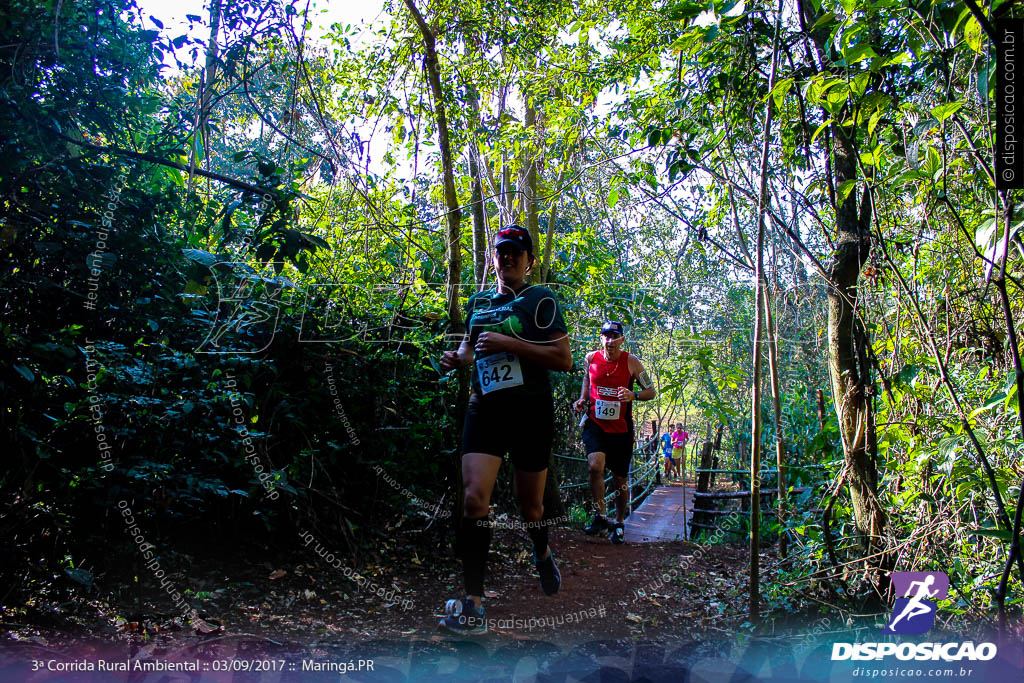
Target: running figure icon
916, 605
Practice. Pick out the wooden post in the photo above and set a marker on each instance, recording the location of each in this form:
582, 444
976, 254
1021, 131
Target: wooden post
744, 502
821, 409
715, 460
704, 478
683, 465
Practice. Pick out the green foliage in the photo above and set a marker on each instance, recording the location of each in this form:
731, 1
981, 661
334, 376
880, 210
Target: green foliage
292, 292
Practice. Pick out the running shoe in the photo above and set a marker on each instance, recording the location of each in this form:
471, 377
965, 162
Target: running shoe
463, 616
550, 578
596, 526
618, 533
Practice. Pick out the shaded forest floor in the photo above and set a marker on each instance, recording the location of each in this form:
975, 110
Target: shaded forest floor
608, 591
300, 611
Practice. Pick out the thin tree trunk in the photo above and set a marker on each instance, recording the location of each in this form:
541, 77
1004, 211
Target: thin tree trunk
200, 130
453, 280
755, 436
497, 189
478, 209
479, 223
507, 192
1011, 329
530, 199
549, 237
780, 443
755, 394
451, 200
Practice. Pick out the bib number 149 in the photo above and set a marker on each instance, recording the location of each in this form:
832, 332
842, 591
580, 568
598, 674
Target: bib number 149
499, 371
606, 410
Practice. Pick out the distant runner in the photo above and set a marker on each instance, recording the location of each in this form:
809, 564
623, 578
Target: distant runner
666, 451
679, 439
607, 396
516, 334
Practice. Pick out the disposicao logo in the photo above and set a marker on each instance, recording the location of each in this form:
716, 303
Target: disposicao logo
914, 614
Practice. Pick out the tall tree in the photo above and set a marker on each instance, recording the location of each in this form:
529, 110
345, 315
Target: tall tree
453, 217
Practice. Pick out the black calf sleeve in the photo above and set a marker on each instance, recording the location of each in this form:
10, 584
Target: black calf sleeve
474, 544
539, 534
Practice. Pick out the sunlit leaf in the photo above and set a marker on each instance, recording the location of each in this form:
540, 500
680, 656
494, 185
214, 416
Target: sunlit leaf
944, 111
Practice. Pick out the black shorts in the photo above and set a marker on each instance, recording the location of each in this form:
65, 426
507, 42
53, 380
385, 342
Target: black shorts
523, 428
617, 448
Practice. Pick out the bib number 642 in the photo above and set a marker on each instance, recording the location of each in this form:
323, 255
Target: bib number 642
499, 371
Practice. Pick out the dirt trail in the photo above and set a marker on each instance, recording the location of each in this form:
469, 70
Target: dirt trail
661, 589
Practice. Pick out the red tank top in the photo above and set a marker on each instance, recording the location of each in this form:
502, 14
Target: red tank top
611, 414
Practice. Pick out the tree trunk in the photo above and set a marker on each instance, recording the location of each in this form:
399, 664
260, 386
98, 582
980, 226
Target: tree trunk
200, 129
453, 279
760, 307
549, 237
479, 224
1014, 553
478, 209
753, 611
451, 199
850, 386
530, 154
780, 443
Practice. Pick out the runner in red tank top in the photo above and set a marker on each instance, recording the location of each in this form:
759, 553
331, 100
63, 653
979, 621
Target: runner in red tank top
607, 377
607, 397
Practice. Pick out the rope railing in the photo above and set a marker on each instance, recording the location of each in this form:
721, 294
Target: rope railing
773, 470
643, 475
712, 515
650, 483
707, 469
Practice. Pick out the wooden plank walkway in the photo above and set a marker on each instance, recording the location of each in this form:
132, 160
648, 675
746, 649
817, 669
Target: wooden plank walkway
661, 517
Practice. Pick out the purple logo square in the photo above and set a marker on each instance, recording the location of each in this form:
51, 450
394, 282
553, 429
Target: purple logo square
914, 610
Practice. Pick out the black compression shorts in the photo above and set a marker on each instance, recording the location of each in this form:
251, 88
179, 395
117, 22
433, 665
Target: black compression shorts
523, 428
617, 448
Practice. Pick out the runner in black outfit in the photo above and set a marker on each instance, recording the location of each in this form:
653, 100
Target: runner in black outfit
516, 334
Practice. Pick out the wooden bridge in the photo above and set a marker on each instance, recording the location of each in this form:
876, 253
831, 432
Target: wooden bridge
663, 516
659, 509
674, 510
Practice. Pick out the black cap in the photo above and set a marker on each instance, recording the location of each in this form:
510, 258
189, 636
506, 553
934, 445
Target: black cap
613, 327
514, 234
